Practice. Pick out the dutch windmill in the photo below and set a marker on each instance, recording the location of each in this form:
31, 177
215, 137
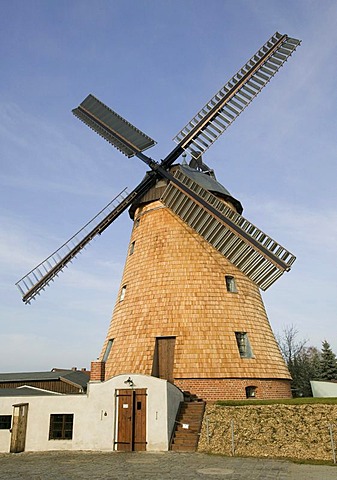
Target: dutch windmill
189, 307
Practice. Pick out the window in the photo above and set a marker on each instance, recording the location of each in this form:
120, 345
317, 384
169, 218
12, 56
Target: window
132, 248
123, 291
250, 391
61, 426
137, 222
5, 422
243, 345
107, 350
230, 284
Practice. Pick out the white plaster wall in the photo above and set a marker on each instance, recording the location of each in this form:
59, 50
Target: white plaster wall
162, 400
5, 435
90, 431
94, 415
323, 389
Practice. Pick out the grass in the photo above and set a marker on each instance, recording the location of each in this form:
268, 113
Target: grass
281, 401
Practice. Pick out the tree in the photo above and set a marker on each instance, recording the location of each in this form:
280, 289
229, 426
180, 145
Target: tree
303, 362
314, 358
290, 347
328, 363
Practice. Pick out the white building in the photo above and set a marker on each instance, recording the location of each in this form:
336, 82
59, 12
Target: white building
323, 389
127, 412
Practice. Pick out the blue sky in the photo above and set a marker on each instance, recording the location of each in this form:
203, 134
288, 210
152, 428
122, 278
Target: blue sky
157, 63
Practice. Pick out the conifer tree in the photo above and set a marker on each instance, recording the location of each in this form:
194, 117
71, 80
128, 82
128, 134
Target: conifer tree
328, 363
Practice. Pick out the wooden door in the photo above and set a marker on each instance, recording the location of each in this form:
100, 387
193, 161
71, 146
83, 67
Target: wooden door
125, 413
19, 427
165, 357
131, 426
139, 405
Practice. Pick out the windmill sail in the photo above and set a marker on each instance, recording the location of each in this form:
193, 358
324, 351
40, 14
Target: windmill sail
257, 255
261, 258
37, 279
111, 126
227, 104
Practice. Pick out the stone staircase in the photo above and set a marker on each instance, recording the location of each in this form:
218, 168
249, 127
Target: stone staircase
188, 425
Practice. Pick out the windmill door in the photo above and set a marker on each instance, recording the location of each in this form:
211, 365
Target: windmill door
165, 357
131, 420
18, 437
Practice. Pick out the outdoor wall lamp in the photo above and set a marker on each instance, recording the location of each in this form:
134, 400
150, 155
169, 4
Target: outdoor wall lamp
129, 382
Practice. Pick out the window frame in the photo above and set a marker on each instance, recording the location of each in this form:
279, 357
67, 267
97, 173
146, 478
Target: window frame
243, 344
66, 432
5, 422
231, 284
250, 391
123, 293
132, 247
107, 349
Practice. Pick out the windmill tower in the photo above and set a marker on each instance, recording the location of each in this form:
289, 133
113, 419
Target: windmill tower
189, 308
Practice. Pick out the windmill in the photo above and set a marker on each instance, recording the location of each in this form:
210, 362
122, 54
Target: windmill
180, 203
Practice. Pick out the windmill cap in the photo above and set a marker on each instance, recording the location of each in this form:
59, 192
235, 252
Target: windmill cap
208, 182
205, 180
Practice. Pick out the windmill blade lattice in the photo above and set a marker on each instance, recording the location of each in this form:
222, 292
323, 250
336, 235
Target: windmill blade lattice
227, 104
244, 245
37, 279
257, 255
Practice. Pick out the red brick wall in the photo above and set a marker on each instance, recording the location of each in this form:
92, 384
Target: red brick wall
97, 372
212, 389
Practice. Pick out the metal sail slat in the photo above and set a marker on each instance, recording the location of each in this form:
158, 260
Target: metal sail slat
206, 137
241, 242
262, 75
63, 255
238, 98
251, 78
215, 222
267, 71
112, 127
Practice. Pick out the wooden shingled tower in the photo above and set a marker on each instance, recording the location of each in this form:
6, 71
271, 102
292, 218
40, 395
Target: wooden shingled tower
186, 313
189, 308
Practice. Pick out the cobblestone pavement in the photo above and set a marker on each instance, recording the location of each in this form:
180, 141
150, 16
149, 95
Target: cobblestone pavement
161, 466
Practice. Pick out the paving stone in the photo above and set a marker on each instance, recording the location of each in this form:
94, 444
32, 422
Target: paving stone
149, 466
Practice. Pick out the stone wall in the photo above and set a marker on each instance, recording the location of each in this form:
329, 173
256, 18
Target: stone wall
292, 431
